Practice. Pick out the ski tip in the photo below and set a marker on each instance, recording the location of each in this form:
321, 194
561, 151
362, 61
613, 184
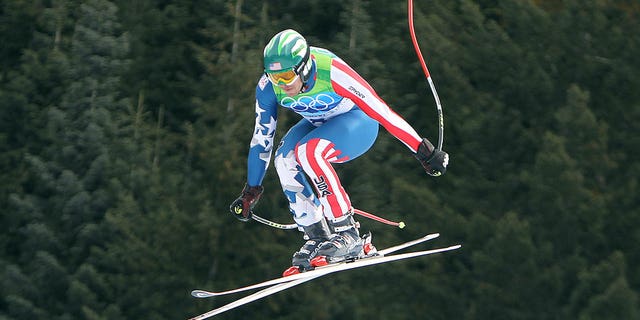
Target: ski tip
401, 225
450, 248
200, 294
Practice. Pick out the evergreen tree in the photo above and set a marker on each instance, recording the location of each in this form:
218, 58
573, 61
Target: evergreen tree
124, 129
510, 261
603, 292
66, 191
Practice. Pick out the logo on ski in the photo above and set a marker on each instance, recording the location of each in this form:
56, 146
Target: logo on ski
323, 187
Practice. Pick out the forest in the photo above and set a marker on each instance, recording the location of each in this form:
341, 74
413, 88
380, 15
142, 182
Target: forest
125, 128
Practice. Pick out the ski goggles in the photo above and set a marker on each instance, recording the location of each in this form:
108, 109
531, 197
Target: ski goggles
283, 77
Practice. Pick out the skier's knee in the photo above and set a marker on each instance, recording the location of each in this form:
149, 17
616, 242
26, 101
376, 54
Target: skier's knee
308, 151
286, 164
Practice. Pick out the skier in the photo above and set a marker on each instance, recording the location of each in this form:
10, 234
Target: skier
341, 114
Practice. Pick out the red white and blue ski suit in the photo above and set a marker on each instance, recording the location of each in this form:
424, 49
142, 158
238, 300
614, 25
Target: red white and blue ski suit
341, 115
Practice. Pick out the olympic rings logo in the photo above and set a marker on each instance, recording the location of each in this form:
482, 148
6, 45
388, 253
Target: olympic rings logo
320, 102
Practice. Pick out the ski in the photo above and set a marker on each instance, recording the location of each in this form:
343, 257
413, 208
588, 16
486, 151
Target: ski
320, 270
313, 275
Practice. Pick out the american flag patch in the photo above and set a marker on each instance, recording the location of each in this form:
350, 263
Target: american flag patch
263, 82
275, 66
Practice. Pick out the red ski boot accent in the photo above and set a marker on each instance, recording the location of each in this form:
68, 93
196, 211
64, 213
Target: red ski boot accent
291, 271
319, 261
369, 248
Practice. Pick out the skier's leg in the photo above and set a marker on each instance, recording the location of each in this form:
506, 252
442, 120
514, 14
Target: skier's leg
339, 140
303, 203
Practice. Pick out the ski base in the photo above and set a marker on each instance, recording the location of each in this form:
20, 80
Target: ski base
296, 276
281, 284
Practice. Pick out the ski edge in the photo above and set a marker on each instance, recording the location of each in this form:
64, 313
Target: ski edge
208, 294
283, 286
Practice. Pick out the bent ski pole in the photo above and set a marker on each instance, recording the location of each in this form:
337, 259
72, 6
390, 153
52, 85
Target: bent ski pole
428, 75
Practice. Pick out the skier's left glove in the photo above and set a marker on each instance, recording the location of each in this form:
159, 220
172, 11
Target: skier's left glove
433, 160
242, 208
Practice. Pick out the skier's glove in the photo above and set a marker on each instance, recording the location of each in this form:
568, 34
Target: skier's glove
242, 207
434, 161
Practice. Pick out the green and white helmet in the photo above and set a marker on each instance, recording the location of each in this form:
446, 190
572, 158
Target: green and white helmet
288, 50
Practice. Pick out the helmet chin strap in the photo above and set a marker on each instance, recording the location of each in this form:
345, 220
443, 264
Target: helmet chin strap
305, 83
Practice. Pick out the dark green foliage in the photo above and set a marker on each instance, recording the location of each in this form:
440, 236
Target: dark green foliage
124, 129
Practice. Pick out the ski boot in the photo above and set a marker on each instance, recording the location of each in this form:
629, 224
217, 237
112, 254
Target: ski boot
344, 245
315, 234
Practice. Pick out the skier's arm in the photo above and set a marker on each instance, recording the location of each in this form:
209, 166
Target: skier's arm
348, 83
261, 145
260, 150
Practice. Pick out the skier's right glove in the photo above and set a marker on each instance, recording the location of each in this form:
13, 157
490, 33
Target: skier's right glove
433, 161
242, 208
